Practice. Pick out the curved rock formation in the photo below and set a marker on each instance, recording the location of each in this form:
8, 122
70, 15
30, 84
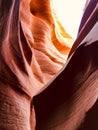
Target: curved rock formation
40, 88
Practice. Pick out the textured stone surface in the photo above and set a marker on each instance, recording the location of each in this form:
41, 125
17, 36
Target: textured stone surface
35, 93
30, 55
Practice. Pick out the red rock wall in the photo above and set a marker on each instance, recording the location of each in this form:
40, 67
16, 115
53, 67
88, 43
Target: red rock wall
39, 87
30, 55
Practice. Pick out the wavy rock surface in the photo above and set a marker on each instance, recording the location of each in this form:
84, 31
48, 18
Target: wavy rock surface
39, 87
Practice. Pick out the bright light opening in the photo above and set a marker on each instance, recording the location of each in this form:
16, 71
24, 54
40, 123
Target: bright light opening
69, 13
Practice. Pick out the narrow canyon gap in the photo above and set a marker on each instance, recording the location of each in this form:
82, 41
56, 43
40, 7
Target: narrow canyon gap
45, 82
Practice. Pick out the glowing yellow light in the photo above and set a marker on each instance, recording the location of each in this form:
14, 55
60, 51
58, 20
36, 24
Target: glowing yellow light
69, 13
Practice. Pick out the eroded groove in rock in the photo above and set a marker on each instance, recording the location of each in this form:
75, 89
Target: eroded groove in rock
40, 88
